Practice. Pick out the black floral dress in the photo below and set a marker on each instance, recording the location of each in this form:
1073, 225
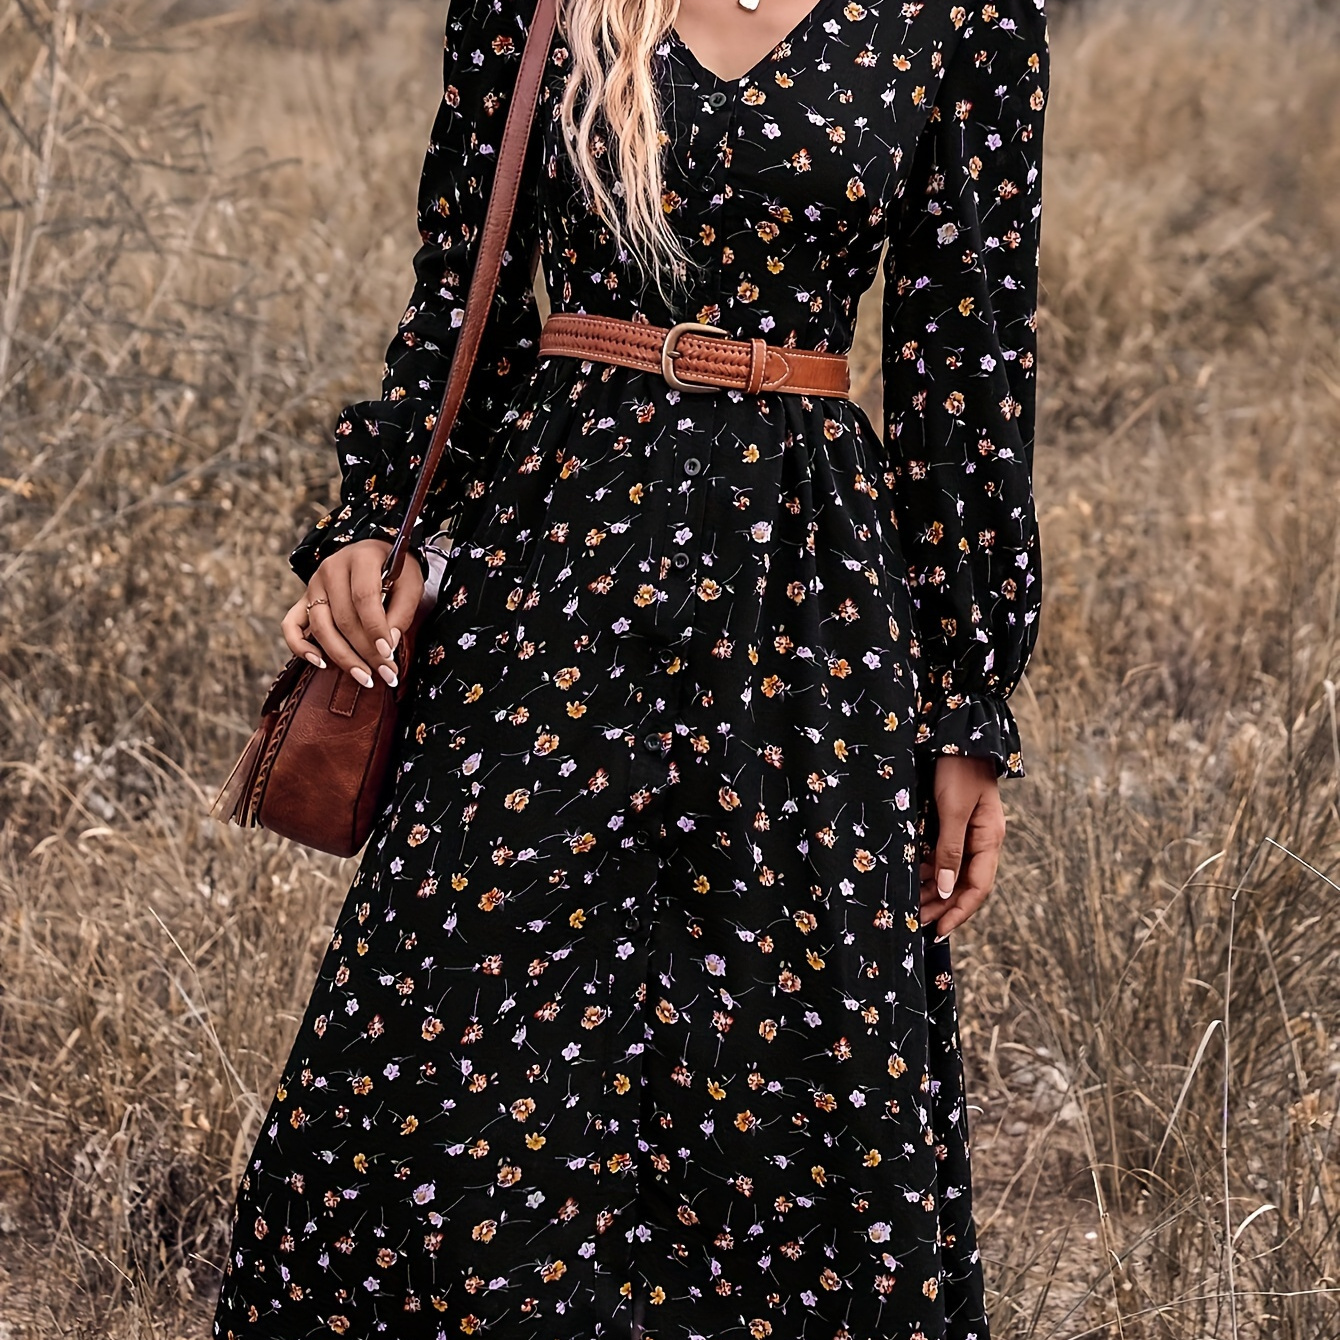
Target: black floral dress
628, 1026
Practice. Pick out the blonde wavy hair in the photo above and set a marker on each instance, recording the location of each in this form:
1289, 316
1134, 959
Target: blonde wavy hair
610, 111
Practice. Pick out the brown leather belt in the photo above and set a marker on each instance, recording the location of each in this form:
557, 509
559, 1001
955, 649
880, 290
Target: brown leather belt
692, 356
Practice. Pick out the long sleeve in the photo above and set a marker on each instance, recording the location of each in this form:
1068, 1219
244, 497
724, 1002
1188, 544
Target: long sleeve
959, 363
381, 443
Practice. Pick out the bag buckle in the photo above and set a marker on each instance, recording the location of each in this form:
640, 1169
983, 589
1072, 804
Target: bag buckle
670, 351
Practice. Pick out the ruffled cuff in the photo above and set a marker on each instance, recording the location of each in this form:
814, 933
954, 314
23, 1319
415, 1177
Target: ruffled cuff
379, 480
975, 725
348, 525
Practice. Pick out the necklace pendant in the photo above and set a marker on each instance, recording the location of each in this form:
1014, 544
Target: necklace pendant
749, 4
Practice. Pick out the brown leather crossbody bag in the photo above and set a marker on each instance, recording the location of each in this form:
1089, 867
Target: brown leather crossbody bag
318, 765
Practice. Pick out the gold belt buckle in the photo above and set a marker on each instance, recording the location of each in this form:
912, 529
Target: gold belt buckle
670, 351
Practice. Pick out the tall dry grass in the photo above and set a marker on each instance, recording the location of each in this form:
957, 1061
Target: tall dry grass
205, 227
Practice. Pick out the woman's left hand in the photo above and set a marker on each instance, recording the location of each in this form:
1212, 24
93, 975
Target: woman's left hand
967, 851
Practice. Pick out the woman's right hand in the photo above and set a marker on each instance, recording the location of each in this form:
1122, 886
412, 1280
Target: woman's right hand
342, 615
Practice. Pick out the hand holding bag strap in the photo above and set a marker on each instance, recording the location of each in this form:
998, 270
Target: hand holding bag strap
484, 280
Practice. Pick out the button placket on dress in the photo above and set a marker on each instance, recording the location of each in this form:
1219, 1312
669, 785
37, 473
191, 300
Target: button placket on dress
678, 566
628, 961
630, 969
621, 1087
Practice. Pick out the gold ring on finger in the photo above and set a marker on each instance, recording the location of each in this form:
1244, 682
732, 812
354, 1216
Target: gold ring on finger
312, 604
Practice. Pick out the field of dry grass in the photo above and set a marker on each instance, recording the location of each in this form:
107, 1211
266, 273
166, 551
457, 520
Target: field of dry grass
205, 232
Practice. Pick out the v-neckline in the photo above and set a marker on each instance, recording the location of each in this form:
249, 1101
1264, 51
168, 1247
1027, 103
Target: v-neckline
798, 30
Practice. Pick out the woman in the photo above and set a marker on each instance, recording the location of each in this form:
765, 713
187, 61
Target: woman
639, 1017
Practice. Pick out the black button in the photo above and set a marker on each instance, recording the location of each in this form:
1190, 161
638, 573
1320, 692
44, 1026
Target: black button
681, 561
693, 466
652, 743
632, 923
717, 101
640, 839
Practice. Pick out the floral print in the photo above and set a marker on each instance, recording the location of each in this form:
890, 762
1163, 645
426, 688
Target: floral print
628, 1026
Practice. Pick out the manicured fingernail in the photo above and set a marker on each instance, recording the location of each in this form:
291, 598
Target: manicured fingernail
944, 881
388, 675
384, 649
362, 676
940, 939
316, 660
395, 638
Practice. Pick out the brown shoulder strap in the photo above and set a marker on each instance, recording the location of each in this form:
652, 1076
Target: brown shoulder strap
484, 280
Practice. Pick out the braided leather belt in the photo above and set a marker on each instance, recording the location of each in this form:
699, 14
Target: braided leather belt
692, 356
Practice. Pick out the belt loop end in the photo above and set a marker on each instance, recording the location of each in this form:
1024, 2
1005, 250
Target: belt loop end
758, 359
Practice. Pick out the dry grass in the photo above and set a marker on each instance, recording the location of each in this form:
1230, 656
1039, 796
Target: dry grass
205, 225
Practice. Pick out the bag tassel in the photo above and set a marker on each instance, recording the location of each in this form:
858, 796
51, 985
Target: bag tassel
234, 798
